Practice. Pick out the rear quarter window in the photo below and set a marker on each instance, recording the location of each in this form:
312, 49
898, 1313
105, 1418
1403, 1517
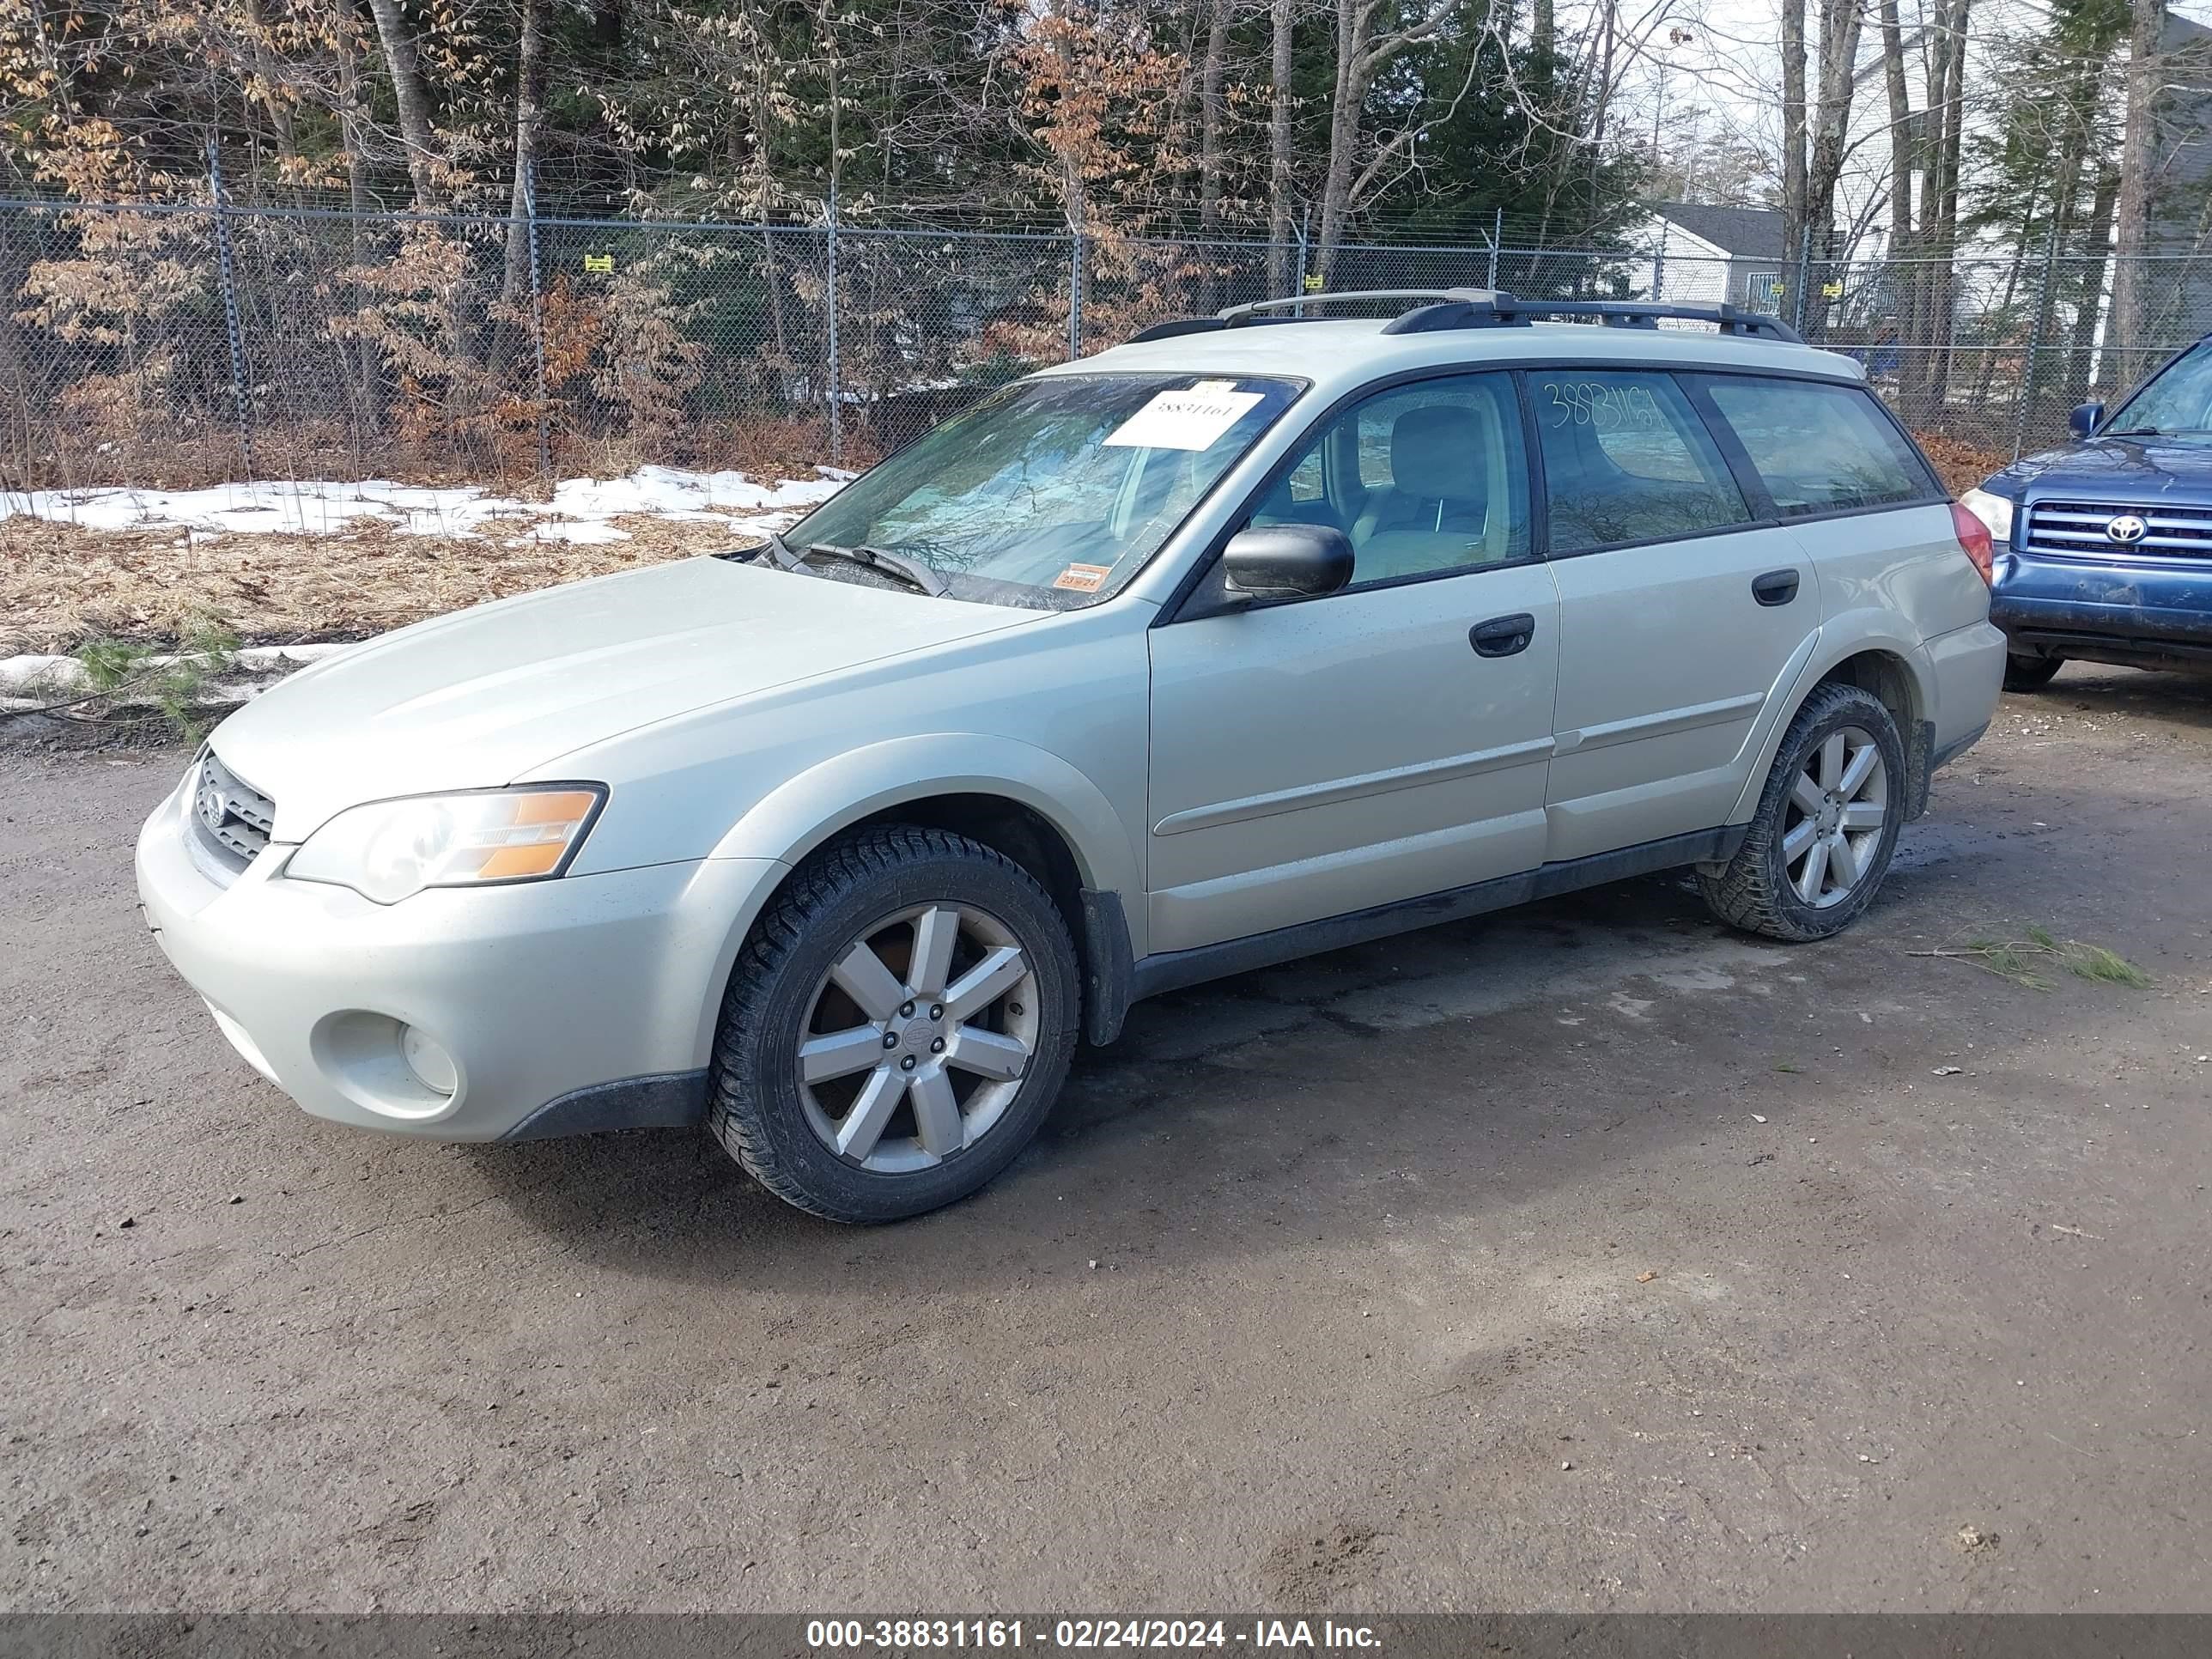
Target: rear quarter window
1819, 447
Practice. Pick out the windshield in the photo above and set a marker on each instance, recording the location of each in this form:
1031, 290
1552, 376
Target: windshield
1050, 491
2176, 405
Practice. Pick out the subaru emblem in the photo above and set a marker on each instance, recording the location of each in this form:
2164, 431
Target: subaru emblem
2127, 530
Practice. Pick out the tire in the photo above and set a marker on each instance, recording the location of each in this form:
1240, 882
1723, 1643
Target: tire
1756, 889
955, 1115
2030, 673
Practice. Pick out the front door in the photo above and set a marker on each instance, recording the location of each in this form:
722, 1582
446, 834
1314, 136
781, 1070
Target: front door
1387, 741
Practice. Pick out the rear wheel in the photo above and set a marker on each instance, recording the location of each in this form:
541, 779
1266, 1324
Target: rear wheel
2030, 673
1826, 825
896, 1027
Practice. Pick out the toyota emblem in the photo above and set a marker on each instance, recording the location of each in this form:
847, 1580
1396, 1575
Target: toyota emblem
2127, 530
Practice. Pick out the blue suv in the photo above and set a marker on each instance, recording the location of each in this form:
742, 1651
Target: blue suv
2104, 547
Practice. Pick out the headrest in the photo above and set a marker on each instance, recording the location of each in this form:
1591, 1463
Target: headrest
1435, 451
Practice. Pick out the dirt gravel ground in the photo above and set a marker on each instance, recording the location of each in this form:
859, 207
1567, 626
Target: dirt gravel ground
1588, 1257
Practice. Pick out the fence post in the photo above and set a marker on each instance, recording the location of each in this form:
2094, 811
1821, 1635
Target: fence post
538, 318
1497, 235
2029, 376
225, 271
1659, 266
1074, 292
836, 386
1804, 273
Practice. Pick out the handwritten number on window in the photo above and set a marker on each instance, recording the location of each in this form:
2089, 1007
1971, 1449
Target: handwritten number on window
1603, 407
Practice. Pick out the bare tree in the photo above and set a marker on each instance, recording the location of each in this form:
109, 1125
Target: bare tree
1212, 117
1832, 117
1211, 112
2131, 215
1284, 18
1792, 129
1900, 131
403, 64
529, 111
1361, 55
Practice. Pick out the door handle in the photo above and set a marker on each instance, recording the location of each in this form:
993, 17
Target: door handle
1501, 637
1775, 587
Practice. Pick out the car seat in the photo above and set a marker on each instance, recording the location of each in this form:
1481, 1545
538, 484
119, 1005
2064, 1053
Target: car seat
1433, 513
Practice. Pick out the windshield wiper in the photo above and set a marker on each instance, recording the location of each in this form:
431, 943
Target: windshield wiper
775, 551
910, 569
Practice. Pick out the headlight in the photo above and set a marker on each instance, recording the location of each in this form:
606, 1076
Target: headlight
392, 848
1994, 511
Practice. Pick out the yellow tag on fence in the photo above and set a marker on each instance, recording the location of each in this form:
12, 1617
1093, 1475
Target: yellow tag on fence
1315, 283
599, 265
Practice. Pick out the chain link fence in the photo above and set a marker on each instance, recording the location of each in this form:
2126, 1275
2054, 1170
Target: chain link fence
174, 345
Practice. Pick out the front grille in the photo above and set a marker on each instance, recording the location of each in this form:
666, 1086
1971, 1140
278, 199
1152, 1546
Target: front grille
230, 817
2083, 529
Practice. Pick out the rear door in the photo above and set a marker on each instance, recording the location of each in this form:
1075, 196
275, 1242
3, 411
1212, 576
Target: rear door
1833, 466
1382, 743
1683, 608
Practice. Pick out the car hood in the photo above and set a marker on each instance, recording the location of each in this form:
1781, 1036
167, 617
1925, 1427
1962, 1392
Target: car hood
2126, 470
488, 695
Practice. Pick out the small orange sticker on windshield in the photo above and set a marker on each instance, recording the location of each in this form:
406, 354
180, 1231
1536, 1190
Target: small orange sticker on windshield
1083, 578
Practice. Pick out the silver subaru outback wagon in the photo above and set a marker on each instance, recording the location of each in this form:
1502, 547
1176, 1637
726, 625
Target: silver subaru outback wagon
1258, 635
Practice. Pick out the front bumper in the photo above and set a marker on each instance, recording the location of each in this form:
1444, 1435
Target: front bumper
581, 1003
2149, 611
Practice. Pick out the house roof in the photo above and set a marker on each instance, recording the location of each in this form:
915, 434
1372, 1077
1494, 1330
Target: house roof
1750, 232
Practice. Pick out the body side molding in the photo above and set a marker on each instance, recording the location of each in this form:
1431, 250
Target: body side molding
1367, 783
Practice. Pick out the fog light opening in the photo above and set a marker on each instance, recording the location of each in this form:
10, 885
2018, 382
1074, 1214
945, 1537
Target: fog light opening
432, 1065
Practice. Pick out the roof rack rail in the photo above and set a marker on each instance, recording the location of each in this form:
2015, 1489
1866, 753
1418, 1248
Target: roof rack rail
1484, 307
1478, 308
1253, 312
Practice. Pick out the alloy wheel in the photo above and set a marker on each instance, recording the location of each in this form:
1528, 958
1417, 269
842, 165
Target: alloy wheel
1837, 808
918, 1038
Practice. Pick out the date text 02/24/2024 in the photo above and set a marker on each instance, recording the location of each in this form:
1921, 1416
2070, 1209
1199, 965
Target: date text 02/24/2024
846, 1635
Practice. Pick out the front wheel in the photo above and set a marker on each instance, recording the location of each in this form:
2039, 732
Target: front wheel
897, 1027
1826, 825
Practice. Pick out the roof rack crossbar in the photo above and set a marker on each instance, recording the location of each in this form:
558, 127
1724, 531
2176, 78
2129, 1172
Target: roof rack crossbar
1481, 308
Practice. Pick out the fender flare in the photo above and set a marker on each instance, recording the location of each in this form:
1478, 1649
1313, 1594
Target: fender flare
805, 811
1852, 634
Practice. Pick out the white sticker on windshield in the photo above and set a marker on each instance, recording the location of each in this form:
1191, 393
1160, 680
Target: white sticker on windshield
1182, 420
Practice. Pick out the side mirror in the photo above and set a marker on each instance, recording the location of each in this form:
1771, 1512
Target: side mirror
2085, 419
1287, 561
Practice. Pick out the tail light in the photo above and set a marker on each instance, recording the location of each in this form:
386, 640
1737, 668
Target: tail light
1974, 541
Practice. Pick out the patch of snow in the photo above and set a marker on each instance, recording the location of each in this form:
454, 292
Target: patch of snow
572, 530
22, 675
578, 511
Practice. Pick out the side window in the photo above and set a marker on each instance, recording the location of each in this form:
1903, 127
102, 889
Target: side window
1424, 478
1818, 448
1626, 458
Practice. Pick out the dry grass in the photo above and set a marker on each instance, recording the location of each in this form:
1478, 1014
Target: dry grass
1961, 465
61, 586
207, 454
